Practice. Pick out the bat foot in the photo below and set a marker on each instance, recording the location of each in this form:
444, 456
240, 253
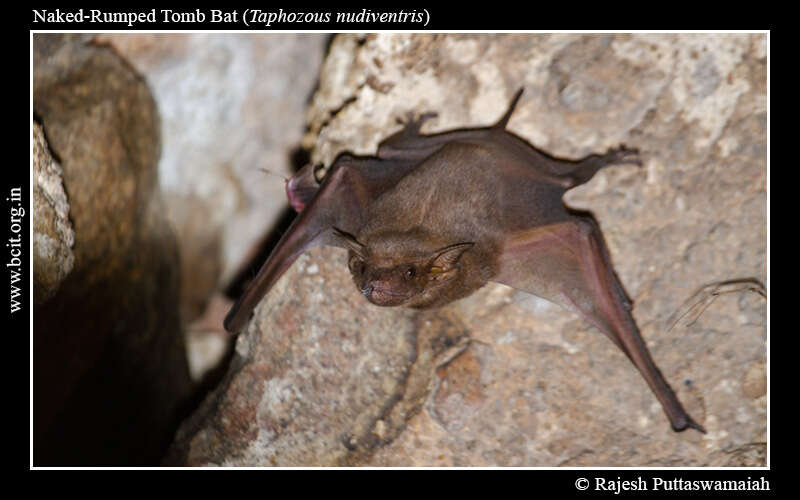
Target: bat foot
623, 155
586, 168
413, 122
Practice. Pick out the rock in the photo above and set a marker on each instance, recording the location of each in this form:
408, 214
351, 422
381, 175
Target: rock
110, 373
231, 107
53, 236
322, 378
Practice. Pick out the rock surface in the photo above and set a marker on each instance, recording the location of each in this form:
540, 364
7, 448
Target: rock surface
110, 373
231, 107
501, 377
53, 236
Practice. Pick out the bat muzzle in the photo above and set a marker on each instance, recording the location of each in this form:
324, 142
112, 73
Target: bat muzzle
382, 296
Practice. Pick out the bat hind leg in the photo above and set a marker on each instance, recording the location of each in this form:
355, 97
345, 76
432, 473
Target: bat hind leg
585, 169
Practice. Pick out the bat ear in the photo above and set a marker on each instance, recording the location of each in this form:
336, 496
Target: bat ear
349, 241
447, 257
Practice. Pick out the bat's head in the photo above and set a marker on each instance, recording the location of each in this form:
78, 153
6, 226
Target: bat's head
392, 271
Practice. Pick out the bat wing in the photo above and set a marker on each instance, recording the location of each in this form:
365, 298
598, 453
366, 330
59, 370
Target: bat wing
341, 201
567, 263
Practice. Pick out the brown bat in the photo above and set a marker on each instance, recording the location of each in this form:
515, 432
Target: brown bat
432, 218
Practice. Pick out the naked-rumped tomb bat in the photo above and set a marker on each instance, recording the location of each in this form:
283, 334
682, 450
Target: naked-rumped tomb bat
433, 218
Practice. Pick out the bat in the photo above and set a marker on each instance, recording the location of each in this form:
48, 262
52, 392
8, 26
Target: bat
432, 218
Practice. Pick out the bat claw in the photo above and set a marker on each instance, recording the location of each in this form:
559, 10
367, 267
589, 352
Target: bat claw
698, 427
689, 423
623, 154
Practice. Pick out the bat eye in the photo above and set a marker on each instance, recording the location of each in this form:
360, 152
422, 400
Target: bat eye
411, 272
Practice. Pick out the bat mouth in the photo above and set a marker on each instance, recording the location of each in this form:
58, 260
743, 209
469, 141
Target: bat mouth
384, 297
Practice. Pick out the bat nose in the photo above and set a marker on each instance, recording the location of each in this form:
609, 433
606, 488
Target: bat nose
381, 293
